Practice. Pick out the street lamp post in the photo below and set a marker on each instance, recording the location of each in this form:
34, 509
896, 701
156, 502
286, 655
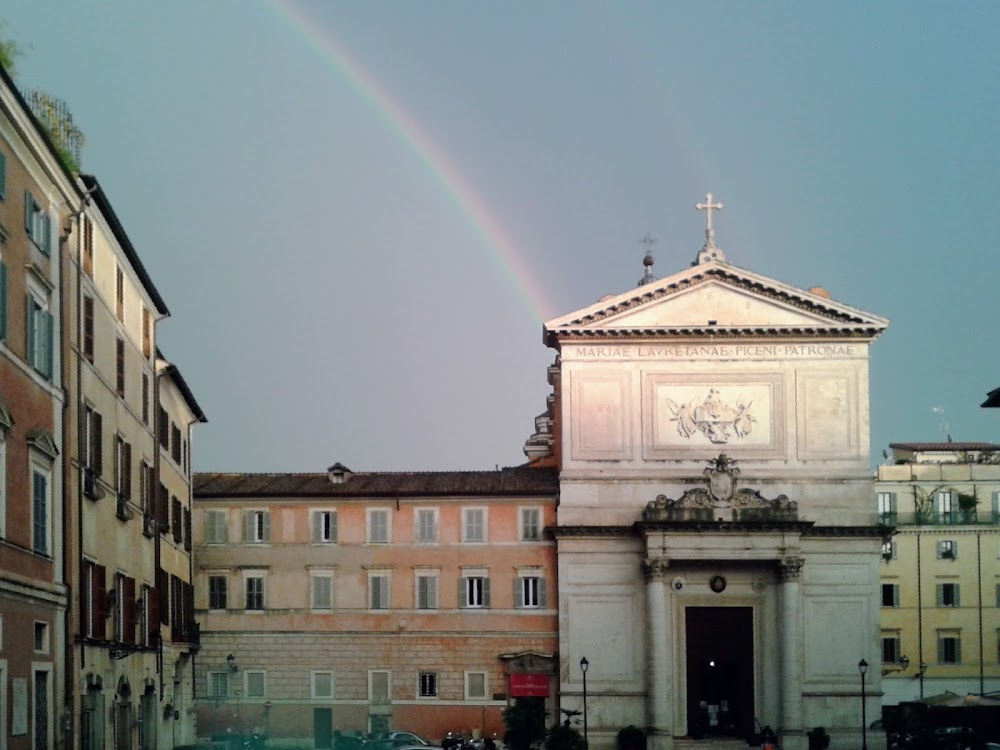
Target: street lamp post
583, 668
863, 669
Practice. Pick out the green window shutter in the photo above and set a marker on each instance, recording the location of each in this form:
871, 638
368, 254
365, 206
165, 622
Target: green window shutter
956, 599
247, 526
30, 331
3, 302
463, 593
518, 593
29, 211
40, 522
543, 599
46, 238
317, 527
486, 592
958, 651
940, 594
47, 328
267, 526
895, 595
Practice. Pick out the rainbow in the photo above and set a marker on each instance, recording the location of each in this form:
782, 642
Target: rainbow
507, 256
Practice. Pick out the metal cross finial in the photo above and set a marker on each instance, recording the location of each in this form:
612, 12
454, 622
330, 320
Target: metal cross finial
648, 241
708, 206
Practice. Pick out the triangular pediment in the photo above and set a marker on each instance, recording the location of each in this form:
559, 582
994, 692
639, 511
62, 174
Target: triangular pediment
719, 300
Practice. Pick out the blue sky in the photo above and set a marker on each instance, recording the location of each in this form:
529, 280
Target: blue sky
336, 297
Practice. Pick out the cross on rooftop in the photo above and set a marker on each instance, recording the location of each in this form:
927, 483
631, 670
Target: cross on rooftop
708, 207
648, 241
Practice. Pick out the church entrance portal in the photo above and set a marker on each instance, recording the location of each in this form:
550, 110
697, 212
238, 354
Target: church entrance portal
720, 668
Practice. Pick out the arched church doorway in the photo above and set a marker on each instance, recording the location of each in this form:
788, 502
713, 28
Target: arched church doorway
720, 699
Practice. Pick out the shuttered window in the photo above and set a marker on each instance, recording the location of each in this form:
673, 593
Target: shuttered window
324, 526
39, 512
88, 329
257, 526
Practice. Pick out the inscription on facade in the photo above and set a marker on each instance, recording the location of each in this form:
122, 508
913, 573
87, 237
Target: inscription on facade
714, 351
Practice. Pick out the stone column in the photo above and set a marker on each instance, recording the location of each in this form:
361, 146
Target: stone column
790, 638
658, 636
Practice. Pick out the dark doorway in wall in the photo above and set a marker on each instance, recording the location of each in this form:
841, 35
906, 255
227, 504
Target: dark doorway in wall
720, 670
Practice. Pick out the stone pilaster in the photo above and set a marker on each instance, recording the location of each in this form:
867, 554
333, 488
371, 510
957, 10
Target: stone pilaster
790, 638
659, 635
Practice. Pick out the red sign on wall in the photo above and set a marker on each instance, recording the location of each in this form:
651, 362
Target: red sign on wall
529, 685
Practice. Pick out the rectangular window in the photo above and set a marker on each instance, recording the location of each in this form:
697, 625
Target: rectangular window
473, 524
321, 591
88, 329
427, 684
147, 333
39, 336
120, 367
475, 686
887, 508
175, 443
378, 687
378, 590
947, 549
216, 527
119, 293
257, 526
3, 485
93, 438
427, 525
88, 247
948, 595
529, 591
123, 468
889, 551
93, 605
427, 591
256, 683
218, 589
324, 526
890, 594
145, 398
254, 592
322, 684
176, 519
40, 511
378, 526
41, 637
946, 507
3, 299
949, 648
163, 427
37, 223
218, 684
531, 524
474, 591
891, 651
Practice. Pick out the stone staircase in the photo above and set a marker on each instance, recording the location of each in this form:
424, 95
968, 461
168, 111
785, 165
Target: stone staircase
712, 743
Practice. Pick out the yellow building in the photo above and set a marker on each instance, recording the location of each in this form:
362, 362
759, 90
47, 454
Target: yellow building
940, 573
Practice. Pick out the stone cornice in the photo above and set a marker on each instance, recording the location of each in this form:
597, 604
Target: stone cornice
576, 334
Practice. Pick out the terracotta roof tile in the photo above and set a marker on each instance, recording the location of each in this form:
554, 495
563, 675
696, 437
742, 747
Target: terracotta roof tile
518, 480
945, 447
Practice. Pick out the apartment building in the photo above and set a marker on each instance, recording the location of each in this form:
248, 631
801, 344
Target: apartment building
365, 601
177, 414
131, 415
940, 573
37, 197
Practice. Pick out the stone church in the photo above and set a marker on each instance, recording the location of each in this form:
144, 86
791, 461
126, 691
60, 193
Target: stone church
717, 543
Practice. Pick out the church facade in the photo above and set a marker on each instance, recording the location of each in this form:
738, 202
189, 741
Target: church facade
718, 549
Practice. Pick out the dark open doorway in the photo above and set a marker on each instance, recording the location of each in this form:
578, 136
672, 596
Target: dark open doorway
720, 671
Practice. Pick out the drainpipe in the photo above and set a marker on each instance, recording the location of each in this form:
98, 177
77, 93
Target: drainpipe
979, 577
920, 619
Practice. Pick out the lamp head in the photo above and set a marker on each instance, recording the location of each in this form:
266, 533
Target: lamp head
905, 662
584, 664
862, 667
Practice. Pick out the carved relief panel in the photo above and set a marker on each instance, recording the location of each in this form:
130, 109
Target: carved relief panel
697, 414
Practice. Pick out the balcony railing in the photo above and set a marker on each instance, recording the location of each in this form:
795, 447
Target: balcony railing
953, 518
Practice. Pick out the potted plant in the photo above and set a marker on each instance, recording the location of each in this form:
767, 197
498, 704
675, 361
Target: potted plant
631, 738
967, 504
818, 738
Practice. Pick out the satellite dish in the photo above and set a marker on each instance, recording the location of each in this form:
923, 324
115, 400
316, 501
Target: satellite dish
678, 584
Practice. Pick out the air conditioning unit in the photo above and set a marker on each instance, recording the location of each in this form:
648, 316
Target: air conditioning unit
91, 485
